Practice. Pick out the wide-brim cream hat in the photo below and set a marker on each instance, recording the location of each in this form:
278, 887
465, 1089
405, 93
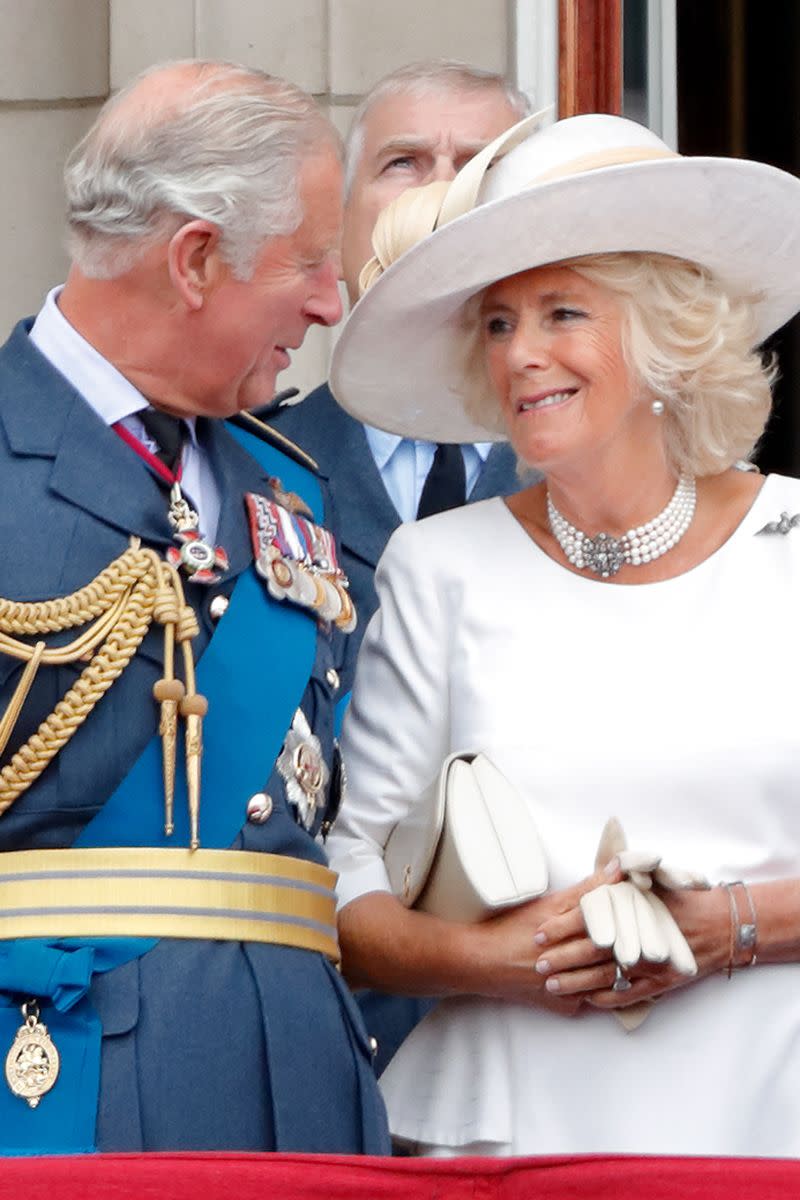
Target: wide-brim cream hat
591, 184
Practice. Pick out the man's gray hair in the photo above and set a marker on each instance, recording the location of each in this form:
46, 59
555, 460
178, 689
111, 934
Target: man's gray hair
226, 149
421, 79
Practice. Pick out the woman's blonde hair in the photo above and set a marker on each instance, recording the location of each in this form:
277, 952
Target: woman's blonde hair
687, 341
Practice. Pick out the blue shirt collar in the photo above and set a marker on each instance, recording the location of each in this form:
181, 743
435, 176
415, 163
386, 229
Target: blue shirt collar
383, 445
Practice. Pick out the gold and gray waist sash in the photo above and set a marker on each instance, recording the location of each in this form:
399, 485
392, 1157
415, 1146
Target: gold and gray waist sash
227, 895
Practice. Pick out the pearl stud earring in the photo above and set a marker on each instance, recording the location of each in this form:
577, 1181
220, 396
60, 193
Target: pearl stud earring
658, 408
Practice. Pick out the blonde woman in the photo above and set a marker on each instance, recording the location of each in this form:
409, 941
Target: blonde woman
619, 639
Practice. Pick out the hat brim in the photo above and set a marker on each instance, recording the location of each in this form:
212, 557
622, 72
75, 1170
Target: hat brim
393, 364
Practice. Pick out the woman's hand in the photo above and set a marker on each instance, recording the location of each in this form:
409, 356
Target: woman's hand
702, 916
407, 952
508, 955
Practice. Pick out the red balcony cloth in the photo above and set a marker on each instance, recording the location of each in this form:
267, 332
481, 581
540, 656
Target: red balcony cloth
330, 1177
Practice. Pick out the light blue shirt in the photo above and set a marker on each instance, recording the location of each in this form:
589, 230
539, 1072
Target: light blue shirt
404, 465
115, 399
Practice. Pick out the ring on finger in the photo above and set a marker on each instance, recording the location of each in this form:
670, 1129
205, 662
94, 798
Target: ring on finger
621, 982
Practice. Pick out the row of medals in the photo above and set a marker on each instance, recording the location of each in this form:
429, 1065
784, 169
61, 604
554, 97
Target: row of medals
311, 578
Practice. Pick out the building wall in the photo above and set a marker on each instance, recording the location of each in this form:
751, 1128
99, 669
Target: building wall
60, 59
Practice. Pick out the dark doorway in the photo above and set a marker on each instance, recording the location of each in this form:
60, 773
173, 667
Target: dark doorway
739, 94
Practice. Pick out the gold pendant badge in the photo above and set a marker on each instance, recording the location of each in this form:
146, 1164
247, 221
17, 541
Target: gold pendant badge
32, 1063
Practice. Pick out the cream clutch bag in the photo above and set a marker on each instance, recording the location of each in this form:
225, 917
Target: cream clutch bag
469, 847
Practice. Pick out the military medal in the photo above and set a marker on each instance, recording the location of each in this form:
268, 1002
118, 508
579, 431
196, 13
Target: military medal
194, 556
298, 561
303, 769
199, 560
32, 1063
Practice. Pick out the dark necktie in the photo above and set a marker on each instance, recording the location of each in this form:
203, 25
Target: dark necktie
167, 432
446, 485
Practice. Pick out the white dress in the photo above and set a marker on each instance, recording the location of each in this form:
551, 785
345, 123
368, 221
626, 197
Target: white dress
673, 706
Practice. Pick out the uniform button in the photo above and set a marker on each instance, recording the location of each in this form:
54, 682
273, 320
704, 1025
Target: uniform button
218, 607
332, 676
259, 808
373, 1045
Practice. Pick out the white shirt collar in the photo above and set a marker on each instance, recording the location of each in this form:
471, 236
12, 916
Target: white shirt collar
103, 387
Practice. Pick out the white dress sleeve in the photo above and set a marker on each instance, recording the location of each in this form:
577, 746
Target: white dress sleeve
396, 731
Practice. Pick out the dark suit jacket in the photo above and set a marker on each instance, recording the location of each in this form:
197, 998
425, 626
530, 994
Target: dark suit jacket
206, 1045
365, 517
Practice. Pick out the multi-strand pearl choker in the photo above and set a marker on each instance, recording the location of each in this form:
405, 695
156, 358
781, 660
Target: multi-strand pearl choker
605, 554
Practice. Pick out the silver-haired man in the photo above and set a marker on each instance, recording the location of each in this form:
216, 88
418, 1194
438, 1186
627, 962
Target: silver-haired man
167, 665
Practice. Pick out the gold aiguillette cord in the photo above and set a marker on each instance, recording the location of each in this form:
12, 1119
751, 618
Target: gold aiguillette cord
118, 607
177, 698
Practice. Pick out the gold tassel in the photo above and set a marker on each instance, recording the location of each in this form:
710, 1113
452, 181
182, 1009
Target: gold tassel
169, 693
193, 709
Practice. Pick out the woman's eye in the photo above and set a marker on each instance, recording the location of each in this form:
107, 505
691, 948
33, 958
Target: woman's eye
496, 326
567, 314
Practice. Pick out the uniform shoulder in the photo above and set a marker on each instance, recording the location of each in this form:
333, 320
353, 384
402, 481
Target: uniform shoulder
277, 439
318, 425
323, 429
295, 418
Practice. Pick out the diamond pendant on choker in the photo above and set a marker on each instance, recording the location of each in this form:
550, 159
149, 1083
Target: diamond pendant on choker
605, 555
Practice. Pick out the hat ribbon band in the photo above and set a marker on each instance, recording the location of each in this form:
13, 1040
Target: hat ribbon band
619, 156
459, 201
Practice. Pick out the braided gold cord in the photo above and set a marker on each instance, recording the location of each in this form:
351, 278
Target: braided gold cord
83, 645
67, 612
97, 677
121, 603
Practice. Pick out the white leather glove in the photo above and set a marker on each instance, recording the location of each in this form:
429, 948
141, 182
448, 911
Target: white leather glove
631, 919
628, 916
643, 868
637, 924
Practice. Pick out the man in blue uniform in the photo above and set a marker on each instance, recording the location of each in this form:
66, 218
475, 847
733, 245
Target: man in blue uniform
168, 630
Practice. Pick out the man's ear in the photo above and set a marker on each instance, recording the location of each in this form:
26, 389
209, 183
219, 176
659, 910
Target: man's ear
194, 262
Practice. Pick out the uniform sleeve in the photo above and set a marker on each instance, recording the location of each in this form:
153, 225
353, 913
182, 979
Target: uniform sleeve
397, 729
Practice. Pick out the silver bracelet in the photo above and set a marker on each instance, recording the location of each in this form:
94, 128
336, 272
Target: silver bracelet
744, 934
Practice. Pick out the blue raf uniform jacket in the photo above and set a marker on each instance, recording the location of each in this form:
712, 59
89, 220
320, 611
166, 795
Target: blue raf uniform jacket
206, 1045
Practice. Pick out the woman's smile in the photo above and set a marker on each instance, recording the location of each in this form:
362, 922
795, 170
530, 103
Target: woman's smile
545, 400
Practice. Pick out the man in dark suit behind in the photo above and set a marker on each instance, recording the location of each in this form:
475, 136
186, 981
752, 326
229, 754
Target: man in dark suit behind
419, 124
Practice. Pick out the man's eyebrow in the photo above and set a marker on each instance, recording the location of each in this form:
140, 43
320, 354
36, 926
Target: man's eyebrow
404, 141
414, 141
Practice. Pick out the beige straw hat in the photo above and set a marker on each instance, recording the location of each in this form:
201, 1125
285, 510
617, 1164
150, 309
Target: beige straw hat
591, 184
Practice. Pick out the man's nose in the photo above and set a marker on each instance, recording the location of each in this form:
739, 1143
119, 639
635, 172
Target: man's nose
444, 168
324, 305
